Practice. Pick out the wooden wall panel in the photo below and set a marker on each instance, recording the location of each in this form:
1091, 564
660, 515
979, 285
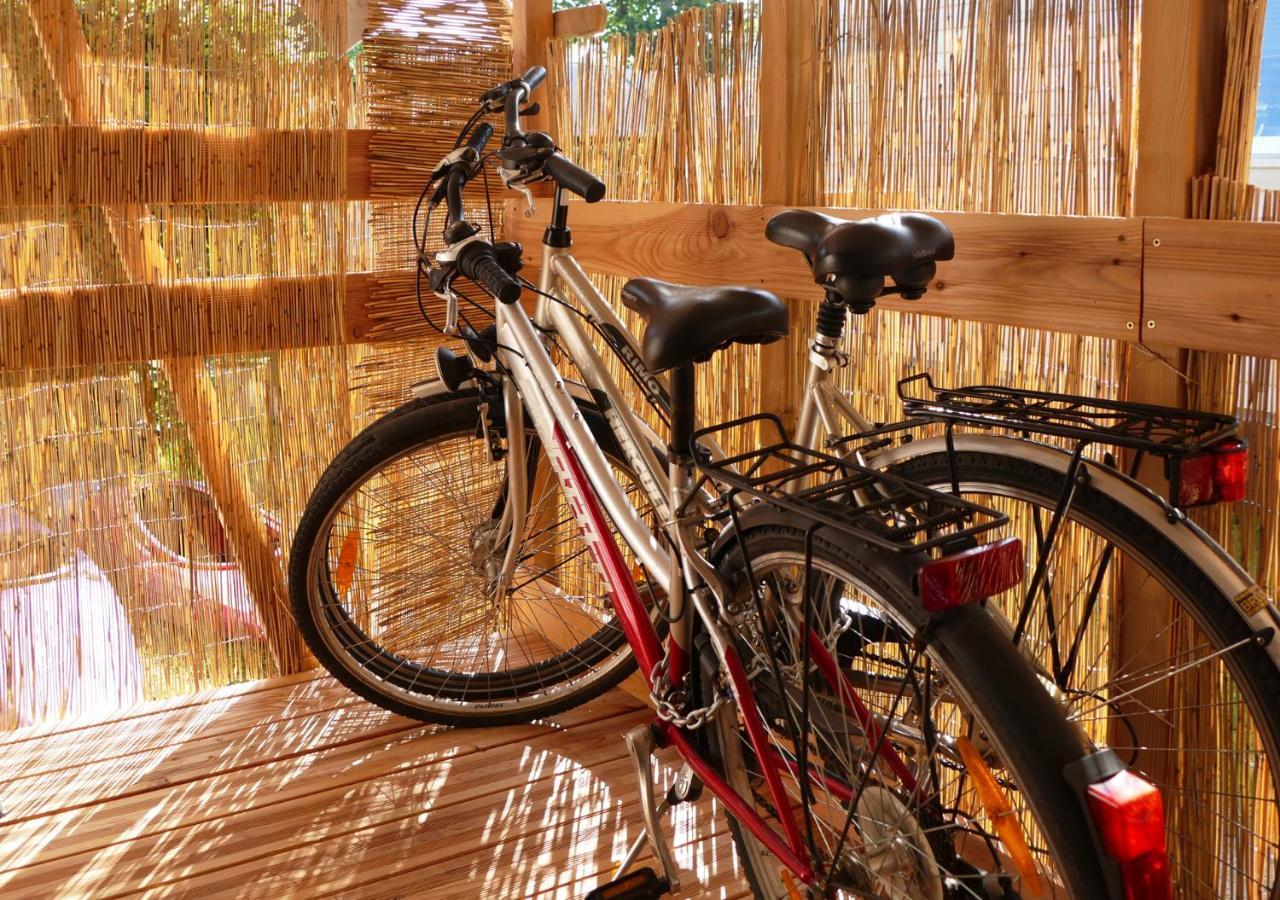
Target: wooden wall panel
1213, 285
105, 166
1066, 273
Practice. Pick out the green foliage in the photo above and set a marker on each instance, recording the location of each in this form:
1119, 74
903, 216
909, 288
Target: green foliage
631, 17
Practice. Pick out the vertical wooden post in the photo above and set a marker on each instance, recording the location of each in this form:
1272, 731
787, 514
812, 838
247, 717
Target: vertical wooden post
1179, 100
532, 25
789, 176
61, 35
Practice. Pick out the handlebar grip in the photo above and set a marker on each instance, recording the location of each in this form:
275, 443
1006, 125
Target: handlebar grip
479, 263
480, 137
533, 77
572, 177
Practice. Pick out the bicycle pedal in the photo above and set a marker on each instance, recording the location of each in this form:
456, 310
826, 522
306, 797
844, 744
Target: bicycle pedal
642, 884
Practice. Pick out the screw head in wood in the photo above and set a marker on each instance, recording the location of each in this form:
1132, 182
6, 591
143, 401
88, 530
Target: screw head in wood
1155, 242
1151, 323
1129, 325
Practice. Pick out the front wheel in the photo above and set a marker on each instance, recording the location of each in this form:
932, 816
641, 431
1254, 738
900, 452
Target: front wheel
394, 574
946, 709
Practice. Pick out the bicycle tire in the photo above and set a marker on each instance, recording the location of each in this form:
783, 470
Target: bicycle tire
1021, 719
1249, 666
442, 697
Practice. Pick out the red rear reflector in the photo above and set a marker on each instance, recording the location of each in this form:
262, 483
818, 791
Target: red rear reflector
971, 575
1147, 878
1230, 470
1217, 475
1128, 812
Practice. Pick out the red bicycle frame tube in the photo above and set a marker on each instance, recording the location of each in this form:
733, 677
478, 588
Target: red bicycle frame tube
645, 644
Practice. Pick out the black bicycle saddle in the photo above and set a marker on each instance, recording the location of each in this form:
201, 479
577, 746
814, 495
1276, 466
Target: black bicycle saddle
687, 323
853, 259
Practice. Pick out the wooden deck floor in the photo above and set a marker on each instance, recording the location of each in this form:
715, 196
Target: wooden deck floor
296, 788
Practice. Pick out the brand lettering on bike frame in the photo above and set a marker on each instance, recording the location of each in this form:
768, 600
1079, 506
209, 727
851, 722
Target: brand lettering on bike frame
604, 550
652, 388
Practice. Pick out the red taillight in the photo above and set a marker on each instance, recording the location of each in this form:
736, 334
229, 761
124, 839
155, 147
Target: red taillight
1147, 878
970, 575
1128, 812
1217, 475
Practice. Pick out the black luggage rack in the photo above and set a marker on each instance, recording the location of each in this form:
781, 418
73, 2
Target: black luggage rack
830, 492
1158, 430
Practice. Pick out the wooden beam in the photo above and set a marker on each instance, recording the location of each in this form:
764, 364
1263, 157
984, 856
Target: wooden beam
60, 328
1179, 97
581, 21
788, 172
789, 165
1213, 285
1209, 285
1064, 273
532, 25
107, 166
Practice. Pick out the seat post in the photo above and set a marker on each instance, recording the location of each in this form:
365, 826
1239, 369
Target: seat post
683, 412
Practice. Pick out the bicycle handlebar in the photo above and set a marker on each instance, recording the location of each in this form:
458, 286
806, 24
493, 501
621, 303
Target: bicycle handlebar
478, 261
572, 177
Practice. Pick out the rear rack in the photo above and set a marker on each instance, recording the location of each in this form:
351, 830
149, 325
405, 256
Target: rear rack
1159, 430
830, 492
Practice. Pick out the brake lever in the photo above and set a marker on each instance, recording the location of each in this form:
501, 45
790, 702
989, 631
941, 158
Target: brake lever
512, 180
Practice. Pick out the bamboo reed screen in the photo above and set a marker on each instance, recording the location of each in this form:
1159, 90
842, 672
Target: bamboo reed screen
671, 115
146, 508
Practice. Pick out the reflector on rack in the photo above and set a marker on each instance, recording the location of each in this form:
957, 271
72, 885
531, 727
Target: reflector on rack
971, 575
1218, 474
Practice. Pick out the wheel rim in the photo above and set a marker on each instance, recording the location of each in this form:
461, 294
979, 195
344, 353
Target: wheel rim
411, 612
1206, 752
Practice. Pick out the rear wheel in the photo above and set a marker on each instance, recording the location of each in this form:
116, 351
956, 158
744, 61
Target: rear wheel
871, 831
394, 582
1157, 664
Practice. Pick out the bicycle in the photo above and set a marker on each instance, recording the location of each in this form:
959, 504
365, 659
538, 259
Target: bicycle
996, 445
811, 630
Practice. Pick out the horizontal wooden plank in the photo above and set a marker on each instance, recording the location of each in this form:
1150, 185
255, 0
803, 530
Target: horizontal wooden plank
1213, 285
78, 747
321, 766
1209, 285
1065, 273
580, 21
61, 328
77, 165
144, 715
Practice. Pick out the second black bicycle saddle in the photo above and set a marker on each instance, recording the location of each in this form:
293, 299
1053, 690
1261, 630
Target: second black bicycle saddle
853, 258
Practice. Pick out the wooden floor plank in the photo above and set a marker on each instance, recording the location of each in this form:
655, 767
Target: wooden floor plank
258, 835
506, 843
133, 773
224, 716
297, 788
154, 708
82, 830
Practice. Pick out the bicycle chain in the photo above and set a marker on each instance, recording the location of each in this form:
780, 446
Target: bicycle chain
669, 710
